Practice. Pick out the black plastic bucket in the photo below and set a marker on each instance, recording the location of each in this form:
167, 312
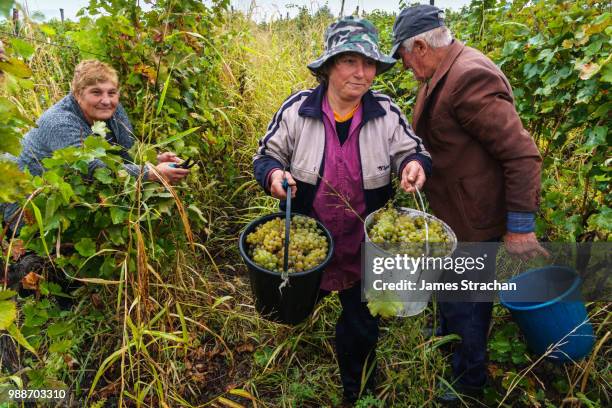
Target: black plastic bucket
295, 301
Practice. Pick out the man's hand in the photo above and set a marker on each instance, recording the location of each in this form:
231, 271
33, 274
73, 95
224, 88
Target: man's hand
276, 184
172, 174
168, 157
413, 177
525, 246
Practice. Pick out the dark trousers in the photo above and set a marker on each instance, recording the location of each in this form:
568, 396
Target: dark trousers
356, 340
471, 321
9, 212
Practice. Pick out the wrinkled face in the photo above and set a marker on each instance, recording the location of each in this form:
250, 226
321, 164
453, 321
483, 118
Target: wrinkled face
99, 101
416, 63
351, 76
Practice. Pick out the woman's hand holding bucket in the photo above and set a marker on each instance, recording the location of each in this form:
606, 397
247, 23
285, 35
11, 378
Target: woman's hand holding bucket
413, 177
276, 184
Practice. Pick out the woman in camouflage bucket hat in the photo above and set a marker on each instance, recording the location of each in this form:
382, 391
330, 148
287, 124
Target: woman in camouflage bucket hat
351, 34
352, 139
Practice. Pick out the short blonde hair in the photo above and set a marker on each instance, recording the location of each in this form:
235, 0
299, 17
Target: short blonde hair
91, 72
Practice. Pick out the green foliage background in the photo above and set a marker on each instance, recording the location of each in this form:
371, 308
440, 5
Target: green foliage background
204, 81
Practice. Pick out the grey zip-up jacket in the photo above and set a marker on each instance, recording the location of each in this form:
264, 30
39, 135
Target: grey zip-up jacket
295, 140
64, 125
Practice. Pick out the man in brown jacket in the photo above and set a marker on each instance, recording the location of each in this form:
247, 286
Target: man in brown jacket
485, 181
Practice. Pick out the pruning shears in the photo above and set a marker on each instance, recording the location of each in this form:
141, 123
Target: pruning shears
187, 164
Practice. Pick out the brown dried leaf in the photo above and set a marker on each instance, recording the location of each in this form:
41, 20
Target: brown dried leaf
210, 354
147, 71
198, 377
28, 216
17, 250
96, 301
230, 387
199, 353
70, 361
246, 347
494, 371
31, 281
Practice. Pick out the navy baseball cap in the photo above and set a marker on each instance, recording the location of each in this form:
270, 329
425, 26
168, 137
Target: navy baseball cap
414, 21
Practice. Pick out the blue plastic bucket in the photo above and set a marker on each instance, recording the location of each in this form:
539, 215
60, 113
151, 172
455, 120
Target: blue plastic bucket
560, 317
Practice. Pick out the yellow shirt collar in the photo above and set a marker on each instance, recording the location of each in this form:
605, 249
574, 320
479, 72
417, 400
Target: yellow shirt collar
348, 116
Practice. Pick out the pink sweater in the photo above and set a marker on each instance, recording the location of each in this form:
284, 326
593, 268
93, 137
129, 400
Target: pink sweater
340, 202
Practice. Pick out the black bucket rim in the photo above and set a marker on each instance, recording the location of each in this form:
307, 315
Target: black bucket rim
251, 226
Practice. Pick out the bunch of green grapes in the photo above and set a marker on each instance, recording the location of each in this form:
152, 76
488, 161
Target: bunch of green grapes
407, 233
308, 245
384, 304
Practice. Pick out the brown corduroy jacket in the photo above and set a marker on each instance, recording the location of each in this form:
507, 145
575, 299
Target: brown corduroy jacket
484, 162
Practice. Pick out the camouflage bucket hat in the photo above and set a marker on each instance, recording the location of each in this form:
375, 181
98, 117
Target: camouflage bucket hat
352, 34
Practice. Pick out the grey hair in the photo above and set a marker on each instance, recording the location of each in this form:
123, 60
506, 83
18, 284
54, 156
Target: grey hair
435, 38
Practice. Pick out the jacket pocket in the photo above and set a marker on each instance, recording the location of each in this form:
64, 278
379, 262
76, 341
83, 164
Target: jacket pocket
481, 200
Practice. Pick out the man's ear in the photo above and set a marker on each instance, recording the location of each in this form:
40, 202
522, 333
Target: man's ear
420, 47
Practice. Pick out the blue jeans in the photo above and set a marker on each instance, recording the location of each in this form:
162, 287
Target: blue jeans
356, 339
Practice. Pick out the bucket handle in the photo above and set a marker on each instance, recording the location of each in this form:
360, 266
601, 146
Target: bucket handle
418, 193
285, 273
